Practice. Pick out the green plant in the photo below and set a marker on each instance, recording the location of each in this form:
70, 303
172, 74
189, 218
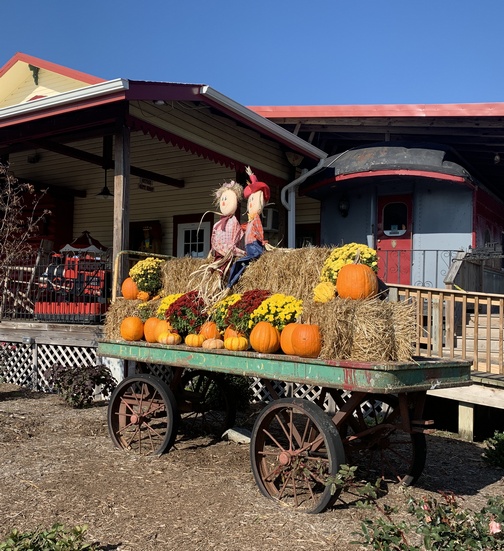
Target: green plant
77, 384
147, 275
494, 452
56, 538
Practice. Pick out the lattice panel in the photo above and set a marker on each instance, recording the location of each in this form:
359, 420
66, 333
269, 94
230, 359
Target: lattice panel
163, 372
16, 365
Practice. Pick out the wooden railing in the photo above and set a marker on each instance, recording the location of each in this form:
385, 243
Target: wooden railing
457, 324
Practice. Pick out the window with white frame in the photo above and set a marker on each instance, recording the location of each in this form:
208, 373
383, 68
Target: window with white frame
193, 239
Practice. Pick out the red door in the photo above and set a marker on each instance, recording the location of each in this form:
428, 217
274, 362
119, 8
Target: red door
394, 243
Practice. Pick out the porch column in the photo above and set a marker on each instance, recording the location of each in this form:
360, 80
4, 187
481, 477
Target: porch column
121, 200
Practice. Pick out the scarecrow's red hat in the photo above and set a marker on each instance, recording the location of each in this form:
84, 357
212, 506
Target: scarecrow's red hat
255, 185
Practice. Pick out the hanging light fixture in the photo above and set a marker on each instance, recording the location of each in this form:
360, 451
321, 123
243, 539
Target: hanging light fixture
105, 193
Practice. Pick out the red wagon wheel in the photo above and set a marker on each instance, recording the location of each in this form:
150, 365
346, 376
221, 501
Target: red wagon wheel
294, 450
375, 442
142, 415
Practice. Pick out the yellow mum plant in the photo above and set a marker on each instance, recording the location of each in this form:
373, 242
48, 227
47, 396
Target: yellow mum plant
278, 309
219, 311
147, 275
167, 301
346, 255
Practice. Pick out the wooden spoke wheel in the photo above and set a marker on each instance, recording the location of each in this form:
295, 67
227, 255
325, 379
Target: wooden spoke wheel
142, 415
375, 442
294, 450
205, 403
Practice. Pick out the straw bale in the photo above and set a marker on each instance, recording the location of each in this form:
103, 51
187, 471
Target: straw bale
289, 271
363, 330
123, 308
176, 274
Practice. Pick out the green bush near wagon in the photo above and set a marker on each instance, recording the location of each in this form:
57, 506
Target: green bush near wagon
494, 452
56, 538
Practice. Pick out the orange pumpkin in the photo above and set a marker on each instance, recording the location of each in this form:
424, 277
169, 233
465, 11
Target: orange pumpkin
163, 326
210, 330
129, 289
286, 339
150, 326
265, 338
213, 344
231, 332
132, 328
169, 338
356, 281
194, 339
306, 340
236, 343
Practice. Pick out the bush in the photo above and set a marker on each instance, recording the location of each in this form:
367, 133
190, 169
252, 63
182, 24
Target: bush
77, 384
494, 453
56, 538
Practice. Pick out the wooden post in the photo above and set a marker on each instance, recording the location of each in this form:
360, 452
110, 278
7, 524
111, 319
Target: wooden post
121, 200
466, 421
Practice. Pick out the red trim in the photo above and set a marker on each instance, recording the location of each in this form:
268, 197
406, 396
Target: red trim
48, 66
392, 172
404, 110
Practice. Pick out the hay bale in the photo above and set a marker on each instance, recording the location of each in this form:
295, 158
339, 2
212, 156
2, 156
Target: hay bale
123, 308
371, 330
176, 274
289, 271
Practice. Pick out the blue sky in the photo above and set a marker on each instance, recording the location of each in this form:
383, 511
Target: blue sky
276, 52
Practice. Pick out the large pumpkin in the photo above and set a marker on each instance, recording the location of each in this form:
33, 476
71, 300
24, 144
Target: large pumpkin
306, 340
356, 281
129, 289
132, 328
210, 330
265, 338
150, 326
286, 339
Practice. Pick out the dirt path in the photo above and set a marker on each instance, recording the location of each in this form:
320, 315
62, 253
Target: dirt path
57, 464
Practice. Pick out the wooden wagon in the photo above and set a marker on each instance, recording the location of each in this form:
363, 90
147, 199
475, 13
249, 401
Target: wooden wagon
296, 446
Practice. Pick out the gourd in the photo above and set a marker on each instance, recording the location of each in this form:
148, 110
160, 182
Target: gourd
306, 340
236, 343
194, 339
150, 326
213, 344
169, 338
356, 281
286, 339
129, 289
324, 292
210, 330
132, 328
265, 338
163, 326
143, 296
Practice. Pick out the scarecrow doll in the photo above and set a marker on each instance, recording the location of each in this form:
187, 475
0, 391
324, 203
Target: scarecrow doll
257, 194
227, 234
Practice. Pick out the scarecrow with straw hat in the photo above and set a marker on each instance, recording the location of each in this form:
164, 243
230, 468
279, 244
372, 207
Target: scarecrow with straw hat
257, 194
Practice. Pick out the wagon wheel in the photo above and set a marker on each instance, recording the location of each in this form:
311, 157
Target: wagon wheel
374, 442
294, 449
205, 403
141, 415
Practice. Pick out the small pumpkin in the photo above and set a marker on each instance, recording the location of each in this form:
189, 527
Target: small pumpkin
169, 338
306, 340
324, 292
132, 328
213, 344
210, 330
150, 326
129, 289
356, 281
194, 339
236, 343
143, 296
232, 332
286, 339
265, 338
162, 327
